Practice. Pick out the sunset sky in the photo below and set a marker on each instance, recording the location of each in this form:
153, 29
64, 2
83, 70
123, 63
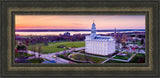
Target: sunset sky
79, 21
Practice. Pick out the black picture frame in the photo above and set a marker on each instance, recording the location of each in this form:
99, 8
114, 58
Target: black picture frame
8, 9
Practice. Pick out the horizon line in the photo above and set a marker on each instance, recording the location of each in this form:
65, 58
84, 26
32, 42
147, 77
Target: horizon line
58, 30
82, 29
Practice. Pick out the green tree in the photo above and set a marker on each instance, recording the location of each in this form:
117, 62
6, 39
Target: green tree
142, 41
39, 53
124, 38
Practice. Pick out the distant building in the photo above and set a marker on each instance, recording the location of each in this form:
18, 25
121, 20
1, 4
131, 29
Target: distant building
67, 34
115, 34
101, 45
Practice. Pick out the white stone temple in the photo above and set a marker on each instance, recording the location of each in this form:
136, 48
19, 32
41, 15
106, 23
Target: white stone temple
100, 45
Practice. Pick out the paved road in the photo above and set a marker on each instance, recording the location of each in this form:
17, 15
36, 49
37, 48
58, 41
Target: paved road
108, 59
112, 58
61, 60
125, 60
50, 56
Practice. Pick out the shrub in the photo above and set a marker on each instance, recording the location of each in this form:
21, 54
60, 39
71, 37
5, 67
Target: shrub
125, 52
62, 56
61, 46
139, 58
21, 47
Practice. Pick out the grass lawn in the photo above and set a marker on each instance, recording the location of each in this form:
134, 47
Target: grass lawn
138, 58
35, 60
17, 55
81, 57
114, 61
95, 55
66, 57
52, 47
123, 57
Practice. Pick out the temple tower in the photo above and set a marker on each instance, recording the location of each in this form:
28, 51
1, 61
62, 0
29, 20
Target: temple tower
93, 31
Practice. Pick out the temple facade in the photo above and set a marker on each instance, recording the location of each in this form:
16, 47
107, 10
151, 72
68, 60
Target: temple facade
100, 45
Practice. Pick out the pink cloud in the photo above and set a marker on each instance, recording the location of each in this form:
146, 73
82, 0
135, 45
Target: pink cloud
79, 21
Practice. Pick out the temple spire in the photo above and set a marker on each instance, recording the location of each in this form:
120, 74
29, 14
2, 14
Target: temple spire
93, 30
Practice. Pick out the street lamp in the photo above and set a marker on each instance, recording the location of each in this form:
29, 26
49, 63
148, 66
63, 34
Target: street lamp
55, 57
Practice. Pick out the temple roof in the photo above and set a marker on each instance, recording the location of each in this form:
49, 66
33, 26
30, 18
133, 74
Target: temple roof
103, 37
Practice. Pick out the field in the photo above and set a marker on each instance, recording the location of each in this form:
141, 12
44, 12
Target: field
35, 60
81, 57
123, 57
52, 47
24, 55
